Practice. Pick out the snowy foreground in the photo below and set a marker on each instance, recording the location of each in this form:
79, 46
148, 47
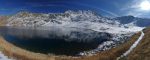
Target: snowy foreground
3, 57
133, 46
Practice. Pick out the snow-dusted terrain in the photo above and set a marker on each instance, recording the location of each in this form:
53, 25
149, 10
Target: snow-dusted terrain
78, 20
3, 57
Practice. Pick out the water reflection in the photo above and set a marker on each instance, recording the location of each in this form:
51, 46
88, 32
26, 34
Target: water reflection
59, 41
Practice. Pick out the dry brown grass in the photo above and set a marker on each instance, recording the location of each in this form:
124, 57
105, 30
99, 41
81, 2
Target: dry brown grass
21, 54
142, 51
3, 20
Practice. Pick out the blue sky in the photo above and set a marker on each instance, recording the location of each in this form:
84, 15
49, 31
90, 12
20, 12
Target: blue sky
110, 8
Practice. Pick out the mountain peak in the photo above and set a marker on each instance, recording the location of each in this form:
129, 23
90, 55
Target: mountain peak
130, 16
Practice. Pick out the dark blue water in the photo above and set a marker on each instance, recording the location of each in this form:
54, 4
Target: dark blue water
58, 41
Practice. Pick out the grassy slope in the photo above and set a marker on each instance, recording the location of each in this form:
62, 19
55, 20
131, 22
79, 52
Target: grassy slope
142, 51
21, 54
3, 20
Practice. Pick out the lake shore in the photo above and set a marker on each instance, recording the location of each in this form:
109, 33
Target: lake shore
21, 54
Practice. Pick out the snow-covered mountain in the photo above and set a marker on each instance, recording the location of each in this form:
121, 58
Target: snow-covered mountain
34, 19
80, 21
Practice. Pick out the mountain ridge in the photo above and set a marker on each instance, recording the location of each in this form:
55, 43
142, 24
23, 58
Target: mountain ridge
141, 22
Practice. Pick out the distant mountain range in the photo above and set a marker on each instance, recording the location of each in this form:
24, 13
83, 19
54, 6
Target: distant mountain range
39, 19
77, 19
141, 22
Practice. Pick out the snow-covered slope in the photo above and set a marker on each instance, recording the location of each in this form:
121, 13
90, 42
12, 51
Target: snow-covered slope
84, 20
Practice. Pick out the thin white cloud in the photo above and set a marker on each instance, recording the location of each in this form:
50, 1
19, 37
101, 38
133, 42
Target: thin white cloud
133, 8
109, 12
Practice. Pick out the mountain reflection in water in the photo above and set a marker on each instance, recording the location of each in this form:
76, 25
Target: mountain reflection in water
58, 41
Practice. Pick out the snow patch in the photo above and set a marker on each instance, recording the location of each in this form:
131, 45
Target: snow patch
3, 57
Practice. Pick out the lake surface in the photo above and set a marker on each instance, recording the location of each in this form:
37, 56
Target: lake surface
58, 41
